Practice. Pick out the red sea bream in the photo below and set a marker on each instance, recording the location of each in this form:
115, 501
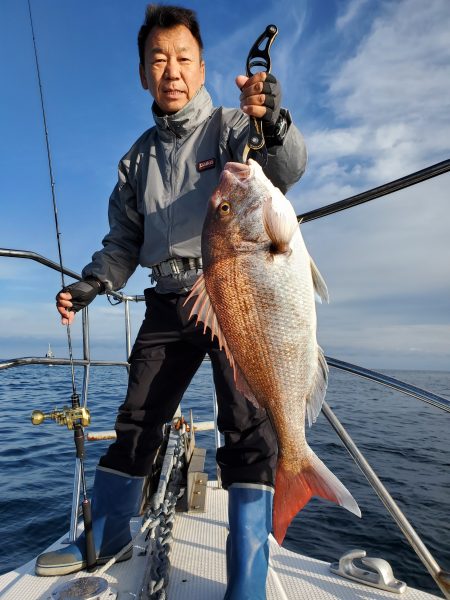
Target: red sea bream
257, 296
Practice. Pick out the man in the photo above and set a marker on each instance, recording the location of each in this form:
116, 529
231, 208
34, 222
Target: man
156, 214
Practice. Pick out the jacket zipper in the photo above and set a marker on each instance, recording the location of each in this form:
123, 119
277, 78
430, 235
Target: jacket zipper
173, 156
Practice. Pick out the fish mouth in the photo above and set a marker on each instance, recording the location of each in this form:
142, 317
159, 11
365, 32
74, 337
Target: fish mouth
241, 172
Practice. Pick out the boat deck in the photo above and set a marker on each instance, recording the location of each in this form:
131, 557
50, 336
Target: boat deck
198, 569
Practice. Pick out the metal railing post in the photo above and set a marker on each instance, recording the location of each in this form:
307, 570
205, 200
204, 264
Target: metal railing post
216, 429
127, 328
442, 578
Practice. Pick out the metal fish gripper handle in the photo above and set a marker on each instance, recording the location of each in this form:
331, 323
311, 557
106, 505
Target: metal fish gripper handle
259, 59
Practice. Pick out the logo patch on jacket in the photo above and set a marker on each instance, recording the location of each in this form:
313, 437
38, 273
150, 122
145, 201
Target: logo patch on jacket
204, 165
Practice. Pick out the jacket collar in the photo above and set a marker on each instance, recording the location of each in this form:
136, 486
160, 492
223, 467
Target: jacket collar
188, 118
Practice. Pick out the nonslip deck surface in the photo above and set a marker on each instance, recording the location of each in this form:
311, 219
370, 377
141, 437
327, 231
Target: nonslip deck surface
199, 566
198, 569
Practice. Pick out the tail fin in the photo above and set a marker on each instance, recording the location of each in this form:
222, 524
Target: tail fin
294, 490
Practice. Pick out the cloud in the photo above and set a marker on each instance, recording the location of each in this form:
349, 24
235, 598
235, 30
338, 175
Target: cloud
396, 244
399, 66
351, 11
394, 91
371, 92
21, 330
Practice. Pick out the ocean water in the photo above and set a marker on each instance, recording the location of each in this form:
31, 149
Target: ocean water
404, 440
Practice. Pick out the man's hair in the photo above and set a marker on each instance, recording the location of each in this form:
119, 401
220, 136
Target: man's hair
165, 16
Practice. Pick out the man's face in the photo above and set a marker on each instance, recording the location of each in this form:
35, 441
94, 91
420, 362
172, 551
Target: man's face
174, 70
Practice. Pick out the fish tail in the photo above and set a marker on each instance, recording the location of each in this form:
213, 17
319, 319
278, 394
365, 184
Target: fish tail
294, 490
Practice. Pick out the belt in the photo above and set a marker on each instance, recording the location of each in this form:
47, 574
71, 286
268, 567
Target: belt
176, 266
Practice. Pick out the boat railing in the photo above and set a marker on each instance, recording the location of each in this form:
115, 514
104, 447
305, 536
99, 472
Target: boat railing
441, 577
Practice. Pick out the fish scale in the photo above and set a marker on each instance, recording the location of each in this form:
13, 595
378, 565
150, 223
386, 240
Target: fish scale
256, 295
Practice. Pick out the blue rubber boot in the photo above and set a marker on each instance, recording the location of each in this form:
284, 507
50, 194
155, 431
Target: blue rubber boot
116, 498
250, 521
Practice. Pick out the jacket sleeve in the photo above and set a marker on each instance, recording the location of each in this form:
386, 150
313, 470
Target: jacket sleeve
117, 260
286, 162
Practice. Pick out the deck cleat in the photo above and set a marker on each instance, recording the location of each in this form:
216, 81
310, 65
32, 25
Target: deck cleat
376, 572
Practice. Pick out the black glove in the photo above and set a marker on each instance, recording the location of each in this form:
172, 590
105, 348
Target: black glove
83, 292
272, 103
276, 121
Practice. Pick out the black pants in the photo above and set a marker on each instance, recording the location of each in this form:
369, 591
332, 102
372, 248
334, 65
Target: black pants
168, 351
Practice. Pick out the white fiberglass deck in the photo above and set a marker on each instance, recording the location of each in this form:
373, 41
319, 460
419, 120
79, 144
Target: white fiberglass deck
198, 568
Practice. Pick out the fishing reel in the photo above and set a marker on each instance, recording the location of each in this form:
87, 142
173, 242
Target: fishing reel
71, 417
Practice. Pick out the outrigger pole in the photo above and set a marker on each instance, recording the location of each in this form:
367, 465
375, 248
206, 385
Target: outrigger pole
78, 416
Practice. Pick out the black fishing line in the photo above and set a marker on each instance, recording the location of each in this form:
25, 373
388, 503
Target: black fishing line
52, 186
78, 429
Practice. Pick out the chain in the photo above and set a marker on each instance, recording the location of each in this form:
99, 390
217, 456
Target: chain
159, 535
157, 524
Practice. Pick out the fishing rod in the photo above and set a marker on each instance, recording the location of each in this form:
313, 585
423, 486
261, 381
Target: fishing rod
77, 417
377, 192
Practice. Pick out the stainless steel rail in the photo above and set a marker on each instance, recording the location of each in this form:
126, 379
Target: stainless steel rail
441, 577
395, 384
7, 252
78, 362
86, 362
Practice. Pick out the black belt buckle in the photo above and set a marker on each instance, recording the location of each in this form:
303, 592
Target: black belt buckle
174, 266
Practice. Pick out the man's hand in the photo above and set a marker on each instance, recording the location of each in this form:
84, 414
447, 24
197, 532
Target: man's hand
76, 296
260, 96
63, 306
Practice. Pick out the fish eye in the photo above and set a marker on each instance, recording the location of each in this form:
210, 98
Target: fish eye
225, 207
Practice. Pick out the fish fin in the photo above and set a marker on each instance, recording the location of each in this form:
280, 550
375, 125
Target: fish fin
243, 386
203, 308
320, 287
280, 220
315, 399
294, 490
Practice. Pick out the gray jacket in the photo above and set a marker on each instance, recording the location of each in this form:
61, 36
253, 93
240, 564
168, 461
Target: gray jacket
157, 208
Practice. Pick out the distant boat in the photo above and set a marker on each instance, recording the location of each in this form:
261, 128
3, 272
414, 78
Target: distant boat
50, 353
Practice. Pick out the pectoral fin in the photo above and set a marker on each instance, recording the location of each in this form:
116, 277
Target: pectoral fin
280, 221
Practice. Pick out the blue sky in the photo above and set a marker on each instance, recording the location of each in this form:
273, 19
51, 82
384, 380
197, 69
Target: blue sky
367, 82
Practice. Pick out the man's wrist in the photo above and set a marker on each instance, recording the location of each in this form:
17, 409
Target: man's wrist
95, 283
274, 134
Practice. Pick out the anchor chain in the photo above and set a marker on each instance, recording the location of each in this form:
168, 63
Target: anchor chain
159, 535
157, 525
